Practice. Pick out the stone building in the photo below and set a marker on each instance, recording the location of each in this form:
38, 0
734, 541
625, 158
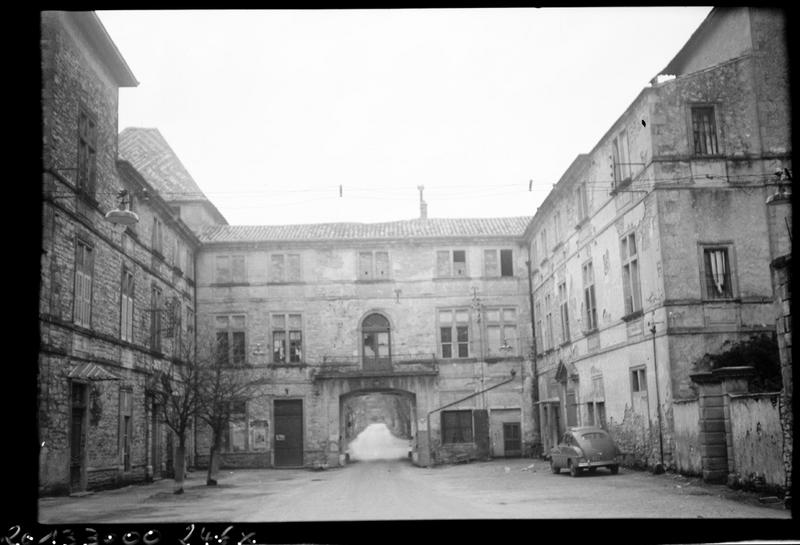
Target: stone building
352, 324
116, 303
653, 248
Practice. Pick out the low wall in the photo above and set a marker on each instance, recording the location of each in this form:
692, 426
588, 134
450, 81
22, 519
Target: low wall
686, 449
757, 439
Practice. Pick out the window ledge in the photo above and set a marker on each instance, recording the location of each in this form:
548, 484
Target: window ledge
469, 359
506, 277
447, 278
581, 223
282, 364
288, 283
177, 270
374, 281
158, 254
591, 332
565, 343
228, 284
633, 315
557, 247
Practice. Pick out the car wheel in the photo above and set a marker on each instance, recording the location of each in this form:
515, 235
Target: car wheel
592, 469
614, 469
573, 469
554, 468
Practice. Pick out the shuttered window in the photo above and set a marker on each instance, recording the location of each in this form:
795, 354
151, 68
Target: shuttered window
84, 262
126, 305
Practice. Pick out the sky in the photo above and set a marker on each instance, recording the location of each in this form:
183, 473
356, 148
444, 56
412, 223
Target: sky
317, 116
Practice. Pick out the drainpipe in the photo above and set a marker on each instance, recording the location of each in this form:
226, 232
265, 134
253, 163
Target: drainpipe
535, 385
660, 468
430, 457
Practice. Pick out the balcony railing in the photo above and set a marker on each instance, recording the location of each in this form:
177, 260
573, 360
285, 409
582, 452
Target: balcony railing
398, 364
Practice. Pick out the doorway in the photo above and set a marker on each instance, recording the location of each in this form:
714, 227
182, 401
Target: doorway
506, 432
77, 437
376, 347
288, 432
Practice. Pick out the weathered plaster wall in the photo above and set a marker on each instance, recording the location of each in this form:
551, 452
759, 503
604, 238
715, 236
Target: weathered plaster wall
686, 449
757, 439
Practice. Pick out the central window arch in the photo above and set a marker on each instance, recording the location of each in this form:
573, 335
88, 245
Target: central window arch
376, 345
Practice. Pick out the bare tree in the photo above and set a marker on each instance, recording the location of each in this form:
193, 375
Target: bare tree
176, 391
219, 386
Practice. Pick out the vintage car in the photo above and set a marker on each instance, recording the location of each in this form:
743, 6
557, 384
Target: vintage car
584, 448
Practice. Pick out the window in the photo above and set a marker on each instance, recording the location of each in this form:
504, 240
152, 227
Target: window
235, 440
717, 272
126, 305
638, 380
548, 321
451, 263
557, 227
562, 299
454, 333
190, 340
501, 332
543, 243
84, 264
284, 268
155, 317
539, 322
376, 347
588, 297
189, 261
631, 289
157, 242
704, 131
87, 152
534, 252
230, 269
373, 265
457, 426
125, 427
596, 411
230, 332
506, 263
287, 338
622, 167
582, 204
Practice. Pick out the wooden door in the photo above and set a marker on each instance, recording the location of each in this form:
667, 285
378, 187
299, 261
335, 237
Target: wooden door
512, 440
288, 432
77, 437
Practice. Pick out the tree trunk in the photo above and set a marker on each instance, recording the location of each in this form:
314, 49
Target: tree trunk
213, 466
180, 468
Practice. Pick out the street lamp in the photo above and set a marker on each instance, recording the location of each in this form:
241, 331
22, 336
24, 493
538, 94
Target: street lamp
122, 215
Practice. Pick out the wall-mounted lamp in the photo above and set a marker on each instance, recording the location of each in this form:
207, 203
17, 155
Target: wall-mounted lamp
122, 215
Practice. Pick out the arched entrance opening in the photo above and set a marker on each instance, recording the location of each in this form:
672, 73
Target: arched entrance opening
378, 424
376, 345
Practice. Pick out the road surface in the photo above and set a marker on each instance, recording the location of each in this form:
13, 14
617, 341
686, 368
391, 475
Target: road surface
382, 490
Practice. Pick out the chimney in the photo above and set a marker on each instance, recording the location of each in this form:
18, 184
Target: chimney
423, 206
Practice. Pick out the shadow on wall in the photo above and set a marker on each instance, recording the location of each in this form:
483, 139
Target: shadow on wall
376, 442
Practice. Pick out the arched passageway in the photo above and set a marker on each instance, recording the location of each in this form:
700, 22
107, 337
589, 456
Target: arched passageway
378, 424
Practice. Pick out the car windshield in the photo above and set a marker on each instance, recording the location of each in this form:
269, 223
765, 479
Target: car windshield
597, 439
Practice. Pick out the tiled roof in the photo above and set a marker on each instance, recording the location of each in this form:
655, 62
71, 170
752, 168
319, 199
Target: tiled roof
150, 154
416, 228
